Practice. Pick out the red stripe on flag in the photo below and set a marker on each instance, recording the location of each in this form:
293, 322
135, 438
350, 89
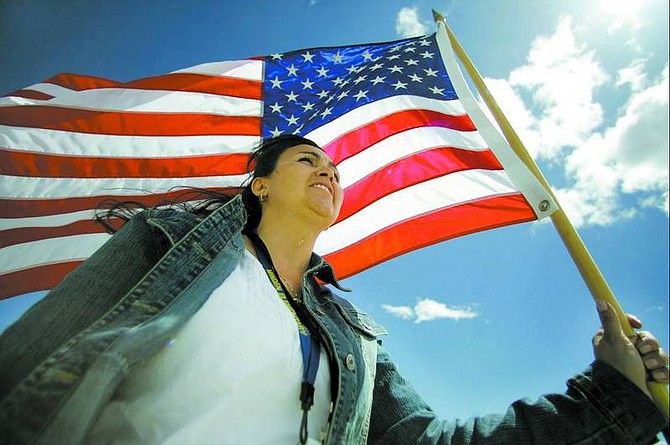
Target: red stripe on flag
129, 124
424, 230
198, 83
30, 94
391, 242
80, 82
18, 163
11, 237
359, 139
413, 170
27, 208
34, 279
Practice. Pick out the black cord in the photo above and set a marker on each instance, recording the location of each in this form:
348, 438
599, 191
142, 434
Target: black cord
303, 427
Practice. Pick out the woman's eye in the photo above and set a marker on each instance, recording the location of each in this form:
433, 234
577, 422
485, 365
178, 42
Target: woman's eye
309, 160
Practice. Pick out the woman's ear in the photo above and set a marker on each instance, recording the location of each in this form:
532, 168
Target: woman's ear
258, 187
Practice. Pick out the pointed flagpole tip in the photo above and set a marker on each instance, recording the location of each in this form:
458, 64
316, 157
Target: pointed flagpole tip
437, 16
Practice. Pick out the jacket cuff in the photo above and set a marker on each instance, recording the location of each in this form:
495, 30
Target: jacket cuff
621, 400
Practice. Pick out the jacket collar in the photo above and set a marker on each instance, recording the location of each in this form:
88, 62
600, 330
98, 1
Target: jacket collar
322, 270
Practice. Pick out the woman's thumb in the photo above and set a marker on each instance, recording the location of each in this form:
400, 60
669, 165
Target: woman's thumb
609, 320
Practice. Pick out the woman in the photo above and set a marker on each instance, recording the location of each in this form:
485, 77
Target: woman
209, 326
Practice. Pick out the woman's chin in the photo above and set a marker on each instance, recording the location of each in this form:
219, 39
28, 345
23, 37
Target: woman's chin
327, 212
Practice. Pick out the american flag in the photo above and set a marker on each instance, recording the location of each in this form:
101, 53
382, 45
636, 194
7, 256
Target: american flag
419, 162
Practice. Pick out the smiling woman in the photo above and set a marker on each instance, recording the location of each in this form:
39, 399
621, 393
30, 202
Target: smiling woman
302, 173
214, 324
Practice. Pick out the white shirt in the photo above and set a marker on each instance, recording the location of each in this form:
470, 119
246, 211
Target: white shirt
232, 376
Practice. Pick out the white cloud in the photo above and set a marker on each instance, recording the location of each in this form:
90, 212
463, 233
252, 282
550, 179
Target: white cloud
561, 77
428, 310
561, 122
407, 23
631, 156
519, 116
632, 75
404, 312
620, 14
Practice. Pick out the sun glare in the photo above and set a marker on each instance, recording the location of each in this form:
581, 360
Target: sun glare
621, 11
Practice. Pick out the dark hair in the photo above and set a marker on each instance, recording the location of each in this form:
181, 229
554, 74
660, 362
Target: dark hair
262, 162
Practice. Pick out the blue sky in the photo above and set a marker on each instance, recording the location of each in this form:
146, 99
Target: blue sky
479, 321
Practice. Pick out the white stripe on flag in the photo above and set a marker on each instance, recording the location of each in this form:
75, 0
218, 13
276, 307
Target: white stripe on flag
46, 221
428, 196
403, 145
374, 110
39, 140
45, 88
51, 89
154, 101
404, 204
50, 251
243, 69
16, 187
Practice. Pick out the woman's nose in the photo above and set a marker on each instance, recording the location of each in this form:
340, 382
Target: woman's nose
326, 172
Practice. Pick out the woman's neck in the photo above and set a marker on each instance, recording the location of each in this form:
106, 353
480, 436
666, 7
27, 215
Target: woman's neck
290, 246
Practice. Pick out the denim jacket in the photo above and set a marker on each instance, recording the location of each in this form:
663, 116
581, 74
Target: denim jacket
62, 361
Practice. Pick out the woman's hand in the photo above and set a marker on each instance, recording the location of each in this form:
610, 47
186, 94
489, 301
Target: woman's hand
640, 359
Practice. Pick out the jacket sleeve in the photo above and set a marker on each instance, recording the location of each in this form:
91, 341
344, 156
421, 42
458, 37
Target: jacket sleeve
600, 406
82, 297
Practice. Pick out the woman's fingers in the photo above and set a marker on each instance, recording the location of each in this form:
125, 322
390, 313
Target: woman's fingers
634, 321
654, 358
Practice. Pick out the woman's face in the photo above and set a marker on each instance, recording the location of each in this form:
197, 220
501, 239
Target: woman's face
304, 178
